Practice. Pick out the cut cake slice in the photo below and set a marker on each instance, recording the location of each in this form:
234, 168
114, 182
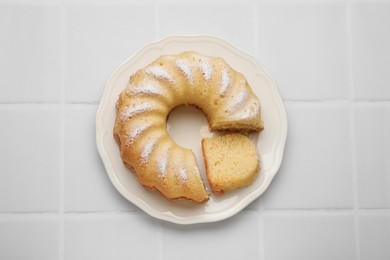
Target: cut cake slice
231, 162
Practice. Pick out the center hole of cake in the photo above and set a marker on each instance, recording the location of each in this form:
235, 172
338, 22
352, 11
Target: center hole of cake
185, 124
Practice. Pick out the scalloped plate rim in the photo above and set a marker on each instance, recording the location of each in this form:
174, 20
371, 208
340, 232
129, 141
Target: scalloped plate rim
142, 204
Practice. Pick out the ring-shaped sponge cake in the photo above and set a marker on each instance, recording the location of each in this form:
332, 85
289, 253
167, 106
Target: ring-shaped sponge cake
188, 78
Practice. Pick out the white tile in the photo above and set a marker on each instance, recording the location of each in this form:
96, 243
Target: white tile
372, 154
315, 236
374, 237
30, 53
125, 236
370, 49
99, 38
304, 47
87, 186
234, 238
232, 22
316, 171
29, 238
29, 159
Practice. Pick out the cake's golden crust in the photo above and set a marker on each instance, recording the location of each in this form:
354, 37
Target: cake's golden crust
151, 188
189, 78
213, 185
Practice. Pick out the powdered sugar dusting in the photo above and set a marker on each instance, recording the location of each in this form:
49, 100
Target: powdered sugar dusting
206, 68
150, 88
183, 175
183, 65
135, 132
162, 166
252, 111
148, 148
225, 82
137, 109
239, 99
160, 73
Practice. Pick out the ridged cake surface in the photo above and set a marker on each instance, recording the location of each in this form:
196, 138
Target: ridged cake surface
189, 78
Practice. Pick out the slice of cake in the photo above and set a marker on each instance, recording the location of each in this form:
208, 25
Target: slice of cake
231, 162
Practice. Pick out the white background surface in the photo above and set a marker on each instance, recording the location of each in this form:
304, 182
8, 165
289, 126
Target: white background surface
330, 60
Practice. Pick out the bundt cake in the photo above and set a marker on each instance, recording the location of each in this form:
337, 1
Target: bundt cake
189, 78
231, 162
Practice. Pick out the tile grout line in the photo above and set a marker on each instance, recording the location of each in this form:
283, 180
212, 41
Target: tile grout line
160, 229
156, 19
28, 214
120, 2
49, 104
264, 212
335, 102
160, 233
61, 230
353, 130
354, 177
289, 101
327, 211
349, 51
261, 210
256, 28
261, 235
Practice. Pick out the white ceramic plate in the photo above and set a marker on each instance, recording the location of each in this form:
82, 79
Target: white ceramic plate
270, 141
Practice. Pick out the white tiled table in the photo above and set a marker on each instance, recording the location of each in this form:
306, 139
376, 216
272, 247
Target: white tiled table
330, 60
